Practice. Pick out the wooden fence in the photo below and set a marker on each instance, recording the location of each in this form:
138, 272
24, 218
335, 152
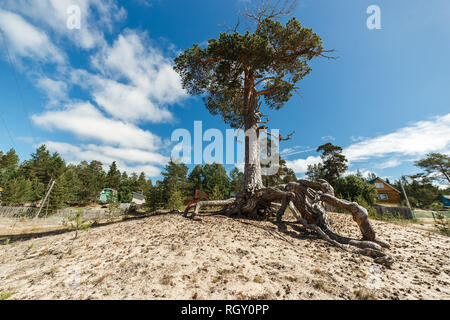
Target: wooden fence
397, 212
30, 212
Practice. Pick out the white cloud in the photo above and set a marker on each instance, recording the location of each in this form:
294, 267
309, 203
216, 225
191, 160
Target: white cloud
330, 138
87, 122
127, 159
391, 163
417, 139
95, 15
26, 40
295, 150
137, 75
56, 90
301, 165
365, 173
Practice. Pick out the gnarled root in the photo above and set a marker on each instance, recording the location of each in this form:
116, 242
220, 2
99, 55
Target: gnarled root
208, 203
306, 200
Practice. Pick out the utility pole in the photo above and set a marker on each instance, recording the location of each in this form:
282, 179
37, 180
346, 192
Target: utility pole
45, 199
404, 194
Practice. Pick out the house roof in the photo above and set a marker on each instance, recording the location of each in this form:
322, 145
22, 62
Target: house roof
139, 196
387, 184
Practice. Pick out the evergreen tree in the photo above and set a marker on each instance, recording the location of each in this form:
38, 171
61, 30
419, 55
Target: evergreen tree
17, 191
237, 72
237, 180
43, 166
125, 189
175, 178
175, 200
351, 188
436, 166
216, 175
92, 179
155, 196
316, 172
283, 175
113, 177
195, 180
334, 162
216, 193
9, 160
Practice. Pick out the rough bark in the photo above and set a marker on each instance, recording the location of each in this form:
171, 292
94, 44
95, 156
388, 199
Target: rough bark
252, 170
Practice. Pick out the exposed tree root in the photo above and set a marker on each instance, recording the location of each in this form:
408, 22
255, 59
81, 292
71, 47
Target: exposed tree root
306, 200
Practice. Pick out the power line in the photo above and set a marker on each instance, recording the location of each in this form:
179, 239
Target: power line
17, 83
9, 133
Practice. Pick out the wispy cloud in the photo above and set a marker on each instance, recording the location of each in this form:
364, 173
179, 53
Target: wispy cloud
328, 138
87, 122
391, 150
28, 41
418, 138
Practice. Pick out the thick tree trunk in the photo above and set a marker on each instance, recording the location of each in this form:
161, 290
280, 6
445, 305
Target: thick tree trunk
252, 169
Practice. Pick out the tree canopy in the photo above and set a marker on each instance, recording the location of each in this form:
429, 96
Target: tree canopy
267, 63
436, 166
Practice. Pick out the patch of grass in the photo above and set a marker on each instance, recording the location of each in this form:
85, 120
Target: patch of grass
5, 295
166, 280
224, 271
291, 278
318, 271
52, 271
364, 294
318, 284
7, 240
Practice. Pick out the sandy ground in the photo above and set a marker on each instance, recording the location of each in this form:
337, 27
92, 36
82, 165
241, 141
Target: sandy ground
214, 257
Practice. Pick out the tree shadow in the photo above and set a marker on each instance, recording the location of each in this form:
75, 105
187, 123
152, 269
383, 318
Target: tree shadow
36, 235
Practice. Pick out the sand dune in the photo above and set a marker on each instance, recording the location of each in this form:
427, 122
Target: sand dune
214, 257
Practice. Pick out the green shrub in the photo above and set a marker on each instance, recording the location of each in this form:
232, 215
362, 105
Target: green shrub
77, 222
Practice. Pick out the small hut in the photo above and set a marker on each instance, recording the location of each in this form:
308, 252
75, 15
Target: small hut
107, 194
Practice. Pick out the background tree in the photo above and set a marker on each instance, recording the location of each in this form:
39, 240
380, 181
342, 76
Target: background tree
351, 188
237, 180
436, 166
333, 161
43, 166
113, 177
421, 192
175, 179
92, 179
9, 160
154, 197
283, 175
125, 188
215, 176
195, 180
17, 191
316, 171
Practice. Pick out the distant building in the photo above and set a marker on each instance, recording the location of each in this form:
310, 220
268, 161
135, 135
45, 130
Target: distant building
446, 201
138, 198
106, 195
386, 192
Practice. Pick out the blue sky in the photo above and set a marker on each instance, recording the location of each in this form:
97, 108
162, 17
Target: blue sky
107, 91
